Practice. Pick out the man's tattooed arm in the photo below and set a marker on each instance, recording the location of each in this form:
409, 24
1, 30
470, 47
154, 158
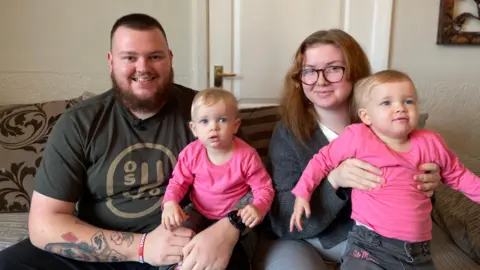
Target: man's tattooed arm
120, 238
97, 249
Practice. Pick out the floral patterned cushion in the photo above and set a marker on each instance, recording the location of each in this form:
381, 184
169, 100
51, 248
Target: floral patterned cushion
24, 131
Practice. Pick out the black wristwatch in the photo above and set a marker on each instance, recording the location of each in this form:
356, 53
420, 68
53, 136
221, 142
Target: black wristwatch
236, 221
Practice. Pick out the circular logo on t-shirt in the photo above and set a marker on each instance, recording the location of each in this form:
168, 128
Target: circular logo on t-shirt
133, 177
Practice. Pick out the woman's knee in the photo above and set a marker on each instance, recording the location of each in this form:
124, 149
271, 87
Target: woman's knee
286, 254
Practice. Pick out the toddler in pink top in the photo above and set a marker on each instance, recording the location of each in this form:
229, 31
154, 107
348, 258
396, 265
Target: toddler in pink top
393, 224
219, 168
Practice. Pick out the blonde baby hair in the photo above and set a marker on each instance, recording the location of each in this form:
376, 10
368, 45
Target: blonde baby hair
211, 96
364, 87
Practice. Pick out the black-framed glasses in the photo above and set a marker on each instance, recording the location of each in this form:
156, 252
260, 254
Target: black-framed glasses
331, 74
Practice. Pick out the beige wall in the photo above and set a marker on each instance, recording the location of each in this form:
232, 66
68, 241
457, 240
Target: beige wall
54, 49
447, 77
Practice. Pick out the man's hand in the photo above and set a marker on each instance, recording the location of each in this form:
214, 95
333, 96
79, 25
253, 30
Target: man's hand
164, 247
211, 248
250, 216
172, 215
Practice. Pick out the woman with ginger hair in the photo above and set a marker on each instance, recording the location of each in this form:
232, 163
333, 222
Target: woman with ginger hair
314, 109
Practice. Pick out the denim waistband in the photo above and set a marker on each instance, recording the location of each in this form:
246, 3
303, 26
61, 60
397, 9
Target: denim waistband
409, 249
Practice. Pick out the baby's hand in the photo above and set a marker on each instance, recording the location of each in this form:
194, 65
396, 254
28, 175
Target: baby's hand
250, 215
301, 206
172, 215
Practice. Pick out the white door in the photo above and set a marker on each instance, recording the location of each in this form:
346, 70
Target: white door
255, 40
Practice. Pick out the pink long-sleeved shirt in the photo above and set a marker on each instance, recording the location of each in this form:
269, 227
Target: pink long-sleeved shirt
217, 188
397, 209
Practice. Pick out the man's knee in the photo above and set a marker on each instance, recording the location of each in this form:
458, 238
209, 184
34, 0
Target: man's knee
7, 257
18, 255
3, 258
239, 259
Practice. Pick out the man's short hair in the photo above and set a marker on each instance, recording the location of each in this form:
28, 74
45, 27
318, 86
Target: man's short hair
211, 96
137, 21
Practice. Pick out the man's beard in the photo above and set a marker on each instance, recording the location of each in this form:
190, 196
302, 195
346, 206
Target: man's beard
135, 104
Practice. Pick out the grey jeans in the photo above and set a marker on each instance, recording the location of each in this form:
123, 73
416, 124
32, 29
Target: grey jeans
369, 250
306, 254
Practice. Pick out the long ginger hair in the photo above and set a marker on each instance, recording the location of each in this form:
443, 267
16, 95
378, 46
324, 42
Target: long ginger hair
296, 111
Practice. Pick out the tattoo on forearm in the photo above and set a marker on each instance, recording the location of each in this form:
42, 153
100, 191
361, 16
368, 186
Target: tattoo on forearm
98, 250
122, 237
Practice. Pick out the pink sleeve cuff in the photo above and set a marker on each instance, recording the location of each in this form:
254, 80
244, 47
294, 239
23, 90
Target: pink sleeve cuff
298, 192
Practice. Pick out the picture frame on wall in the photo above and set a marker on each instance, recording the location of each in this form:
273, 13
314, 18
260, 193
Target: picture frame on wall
451, 25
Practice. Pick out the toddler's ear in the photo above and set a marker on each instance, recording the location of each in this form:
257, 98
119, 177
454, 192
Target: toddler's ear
237, 125
362, 113
193, 128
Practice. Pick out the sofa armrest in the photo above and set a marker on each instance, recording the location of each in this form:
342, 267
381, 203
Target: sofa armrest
459, 218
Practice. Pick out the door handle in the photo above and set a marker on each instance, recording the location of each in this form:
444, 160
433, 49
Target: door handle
219, 75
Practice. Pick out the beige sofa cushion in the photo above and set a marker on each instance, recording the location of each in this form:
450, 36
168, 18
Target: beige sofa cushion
13, 228
24, 129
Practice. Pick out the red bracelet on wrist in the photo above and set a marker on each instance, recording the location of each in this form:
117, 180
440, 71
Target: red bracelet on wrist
140, 248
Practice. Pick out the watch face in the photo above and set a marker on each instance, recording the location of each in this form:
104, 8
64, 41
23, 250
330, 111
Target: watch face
234, 215
236, 220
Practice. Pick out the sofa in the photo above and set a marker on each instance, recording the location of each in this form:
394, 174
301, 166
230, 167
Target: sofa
24, 130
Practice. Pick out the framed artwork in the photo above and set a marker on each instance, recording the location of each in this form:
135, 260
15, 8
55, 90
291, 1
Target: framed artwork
450, 25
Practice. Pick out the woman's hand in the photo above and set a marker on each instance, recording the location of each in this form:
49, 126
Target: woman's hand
354, 173
430, 180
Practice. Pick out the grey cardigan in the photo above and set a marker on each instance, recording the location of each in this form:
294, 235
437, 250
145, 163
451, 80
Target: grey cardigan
330, 218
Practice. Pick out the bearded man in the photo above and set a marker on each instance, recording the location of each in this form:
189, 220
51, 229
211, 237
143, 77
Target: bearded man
98, 191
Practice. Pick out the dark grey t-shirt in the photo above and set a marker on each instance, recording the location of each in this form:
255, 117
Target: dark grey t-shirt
116, 166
